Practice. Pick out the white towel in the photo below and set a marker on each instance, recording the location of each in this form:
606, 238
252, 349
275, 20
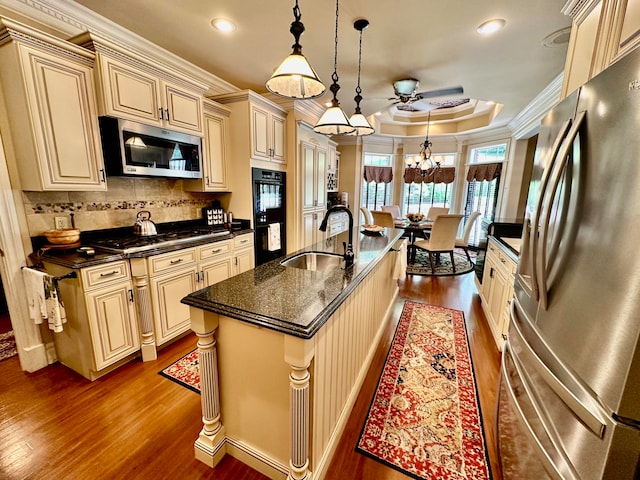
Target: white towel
34, 287
44, 299
400, 268
273, 237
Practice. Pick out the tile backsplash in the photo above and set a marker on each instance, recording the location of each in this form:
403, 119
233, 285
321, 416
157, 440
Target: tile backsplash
117, 207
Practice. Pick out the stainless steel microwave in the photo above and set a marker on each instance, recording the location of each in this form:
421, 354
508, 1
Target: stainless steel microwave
135, 149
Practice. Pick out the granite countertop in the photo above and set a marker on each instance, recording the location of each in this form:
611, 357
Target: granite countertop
72, 259
292, 300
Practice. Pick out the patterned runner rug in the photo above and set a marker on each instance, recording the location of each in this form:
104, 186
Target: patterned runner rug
424, 419
442, 268
185, 371
7, 345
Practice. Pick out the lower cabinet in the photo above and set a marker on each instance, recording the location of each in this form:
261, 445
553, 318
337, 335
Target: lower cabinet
497, 289
174, 275
101, 328
243, 256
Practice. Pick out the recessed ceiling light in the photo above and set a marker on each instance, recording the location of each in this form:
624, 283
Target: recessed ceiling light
491, 26
223, 25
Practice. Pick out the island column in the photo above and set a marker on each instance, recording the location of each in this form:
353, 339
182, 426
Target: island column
298, 354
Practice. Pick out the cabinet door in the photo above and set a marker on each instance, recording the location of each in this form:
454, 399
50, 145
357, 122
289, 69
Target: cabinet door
217, 271
183, 110
171, 318
310, 233
278, 144
321, 177
61, 97
130, 93
244, 260
308, 176
215, 150
259, 133
113, 325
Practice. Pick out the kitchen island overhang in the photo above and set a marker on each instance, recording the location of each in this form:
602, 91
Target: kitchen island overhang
280, 372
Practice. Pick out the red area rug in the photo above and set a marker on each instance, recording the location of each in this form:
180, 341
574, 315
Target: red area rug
424, 419
7, 345
185, 371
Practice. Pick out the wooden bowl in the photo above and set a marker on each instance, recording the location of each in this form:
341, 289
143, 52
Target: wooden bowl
63, 236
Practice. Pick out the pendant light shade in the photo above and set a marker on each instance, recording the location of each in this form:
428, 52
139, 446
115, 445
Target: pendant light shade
295, 78
358, 120
334, 121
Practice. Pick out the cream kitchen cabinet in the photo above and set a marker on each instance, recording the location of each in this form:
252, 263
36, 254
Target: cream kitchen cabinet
602, 32
497, 289
129, 88
243, 253
101, 329
172, 276
258, 127
311, 221
215, 150
216, 263
314, 174
50, 98
267, 134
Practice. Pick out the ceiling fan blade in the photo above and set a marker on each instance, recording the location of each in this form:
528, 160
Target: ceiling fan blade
443, 92
423, 106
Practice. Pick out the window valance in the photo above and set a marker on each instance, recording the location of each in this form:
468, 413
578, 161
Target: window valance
430, 175
485, 171
378, 174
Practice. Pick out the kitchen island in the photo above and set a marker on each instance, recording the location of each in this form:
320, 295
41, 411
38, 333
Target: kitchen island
283, 352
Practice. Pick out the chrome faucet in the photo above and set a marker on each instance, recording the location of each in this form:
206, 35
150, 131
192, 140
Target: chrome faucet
348, 249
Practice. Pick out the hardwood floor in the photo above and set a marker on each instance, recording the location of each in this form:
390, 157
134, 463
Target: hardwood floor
136, 424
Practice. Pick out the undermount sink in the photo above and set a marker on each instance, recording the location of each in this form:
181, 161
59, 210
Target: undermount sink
315, 261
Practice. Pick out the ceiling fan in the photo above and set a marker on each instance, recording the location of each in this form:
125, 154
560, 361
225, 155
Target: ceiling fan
407, 99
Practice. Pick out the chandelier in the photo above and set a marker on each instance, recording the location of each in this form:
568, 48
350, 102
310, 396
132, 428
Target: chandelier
423, 160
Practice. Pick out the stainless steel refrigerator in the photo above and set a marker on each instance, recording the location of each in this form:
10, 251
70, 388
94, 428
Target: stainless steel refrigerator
569, 399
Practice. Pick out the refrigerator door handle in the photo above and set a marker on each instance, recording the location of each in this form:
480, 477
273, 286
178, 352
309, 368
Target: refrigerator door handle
556, 170
527, 266
565, 471
577, 403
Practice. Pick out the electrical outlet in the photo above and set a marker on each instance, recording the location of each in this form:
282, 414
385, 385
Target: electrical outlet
61, 222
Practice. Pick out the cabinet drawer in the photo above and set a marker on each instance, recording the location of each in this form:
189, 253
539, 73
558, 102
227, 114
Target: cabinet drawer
103, 274
243, 241
215, 249
167, 261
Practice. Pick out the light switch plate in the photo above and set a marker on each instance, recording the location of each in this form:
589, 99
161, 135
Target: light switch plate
61, 222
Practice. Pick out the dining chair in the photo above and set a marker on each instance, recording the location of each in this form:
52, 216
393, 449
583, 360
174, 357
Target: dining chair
435, 211
463, 241
394, 210
442, 239
383, 219
368, 218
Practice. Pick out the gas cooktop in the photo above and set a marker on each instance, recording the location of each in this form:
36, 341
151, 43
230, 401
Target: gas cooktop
140, 243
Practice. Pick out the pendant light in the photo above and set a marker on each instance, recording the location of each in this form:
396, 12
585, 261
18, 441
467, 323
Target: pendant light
295, 78
358, 120
333, 120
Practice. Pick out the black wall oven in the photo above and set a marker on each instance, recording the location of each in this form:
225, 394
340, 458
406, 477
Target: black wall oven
269, 214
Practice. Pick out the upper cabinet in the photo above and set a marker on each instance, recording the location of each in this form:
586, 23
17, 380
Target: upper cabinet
48, 87
131, 89
215, 150
602, 32
267, 134
260, 126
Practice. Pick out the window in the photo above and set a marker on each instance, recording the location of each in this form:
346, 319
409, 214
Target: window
376, 188
422, 191
483, 184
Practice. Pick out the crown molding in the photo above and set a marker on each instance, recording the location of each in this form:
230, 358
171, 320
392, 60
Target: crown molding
71, 19
527, 122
